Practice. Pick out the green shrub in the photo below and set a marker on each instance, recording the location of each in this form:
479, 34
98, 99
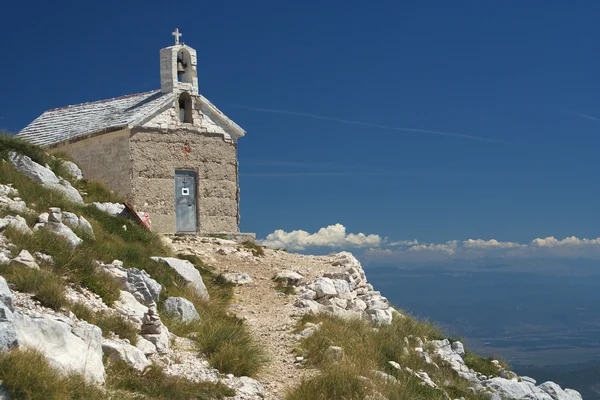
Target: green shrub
26, 374
108, 321
155, 384
10, 143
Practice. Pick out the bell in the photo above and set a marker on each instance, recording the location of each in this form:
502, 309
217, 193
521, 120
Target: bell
180, 68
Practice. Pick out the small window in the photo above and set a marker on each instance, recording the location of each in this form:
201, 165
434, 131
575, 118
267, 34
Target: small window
185, 108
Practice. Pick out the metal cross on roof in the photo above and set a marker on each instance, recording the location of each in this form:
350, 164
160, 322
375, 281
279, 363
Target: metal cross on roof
177, 35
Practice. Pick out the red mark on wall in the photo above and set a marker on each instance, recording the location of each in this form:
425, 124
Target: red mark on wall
186, 150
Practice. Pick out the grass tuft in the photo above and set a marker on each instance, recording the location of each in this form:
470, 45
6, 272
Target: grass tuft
27, 374
46, 287
155, 384
257, 250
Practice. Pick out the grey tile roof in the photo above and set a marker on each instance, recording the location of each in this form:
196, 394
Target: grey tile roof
66, 123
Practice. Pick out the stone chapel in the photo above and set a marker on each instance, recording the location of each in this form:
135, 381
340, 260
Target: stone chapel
169, 152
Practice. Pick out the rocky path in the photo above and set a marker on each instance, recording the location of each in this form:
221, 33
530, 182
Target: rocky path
270, 314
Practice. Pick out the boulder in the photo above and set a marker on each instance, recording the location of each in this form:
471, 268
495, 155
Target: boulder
323, 287
308, 294
62, 230
342, 289
342, 313
556, 393
181, 308
289, 278
72, 169
237, 278
77, 349
379, 317
34, 171
121, 351
246, 387
113, 209
18, 223
8, 333
345, 259
309, 305
6, 296
69, 219
513, 390
458, 348
145, 289
145, 346
24, 259
130, 307
86, 227
188, 272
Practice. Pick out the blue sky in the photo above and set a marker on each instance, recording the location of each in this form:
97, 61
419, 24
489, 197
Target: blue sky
323, 88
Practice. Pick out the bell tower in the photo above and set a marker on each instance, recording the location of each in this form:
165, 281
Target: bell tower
178, 71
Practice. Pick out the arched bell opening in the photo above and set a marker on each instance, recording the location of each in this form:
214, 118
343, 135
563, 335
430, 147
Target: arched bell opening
185, 108
184, 66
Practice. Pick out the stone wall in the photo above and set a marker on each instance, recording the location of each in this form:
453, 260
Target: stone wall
103, 158
155, 156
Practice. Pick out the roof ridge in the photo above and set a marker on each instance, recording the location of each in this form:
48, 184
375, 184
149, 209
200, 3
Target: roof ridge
103, 101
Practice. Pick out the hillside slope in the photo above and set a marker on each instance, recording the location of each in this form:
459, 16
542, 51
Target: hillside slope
93, 306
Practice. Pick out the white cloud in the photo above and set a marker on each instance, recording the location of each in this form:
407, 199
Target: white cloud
489, 244
403, 243
472, 249
331, 236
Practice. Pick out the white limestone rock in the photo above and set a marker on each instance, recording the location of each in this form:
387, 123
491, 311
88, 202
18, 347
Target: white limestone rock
323, 287
188, 272
71, 349
345, 259
514, 390
128, 306
145, 289
289, 278
62, 230
122, 351
69, 219
145, 346
16, 222
72, 169
310, 306
379, 317
25, 260
237, 278
246, 387
342, 313
6, 296
34, 171
181, 309
8, 333
86, 227
458, 348
557, 393
342, 289
113, 209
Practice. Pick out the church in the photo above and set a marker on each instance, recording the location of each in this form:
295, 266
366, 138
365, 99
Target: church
170, 152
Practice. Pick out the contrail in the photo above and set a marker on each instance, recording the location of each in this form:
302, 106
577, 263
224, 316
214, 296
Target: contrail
586, 116
347, 121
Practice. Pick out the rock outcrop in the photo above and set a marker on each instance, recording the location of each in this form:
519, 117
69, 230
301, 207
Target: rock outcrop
344, 293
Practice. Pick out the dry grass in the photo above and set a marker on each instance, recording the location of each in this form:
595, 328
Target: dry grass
224, 339
257, 250
26, 374
153, 383
368, 349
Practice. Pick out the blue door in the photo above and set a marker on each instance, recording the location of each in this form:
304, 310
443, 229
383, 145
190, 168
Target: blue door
185, 201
